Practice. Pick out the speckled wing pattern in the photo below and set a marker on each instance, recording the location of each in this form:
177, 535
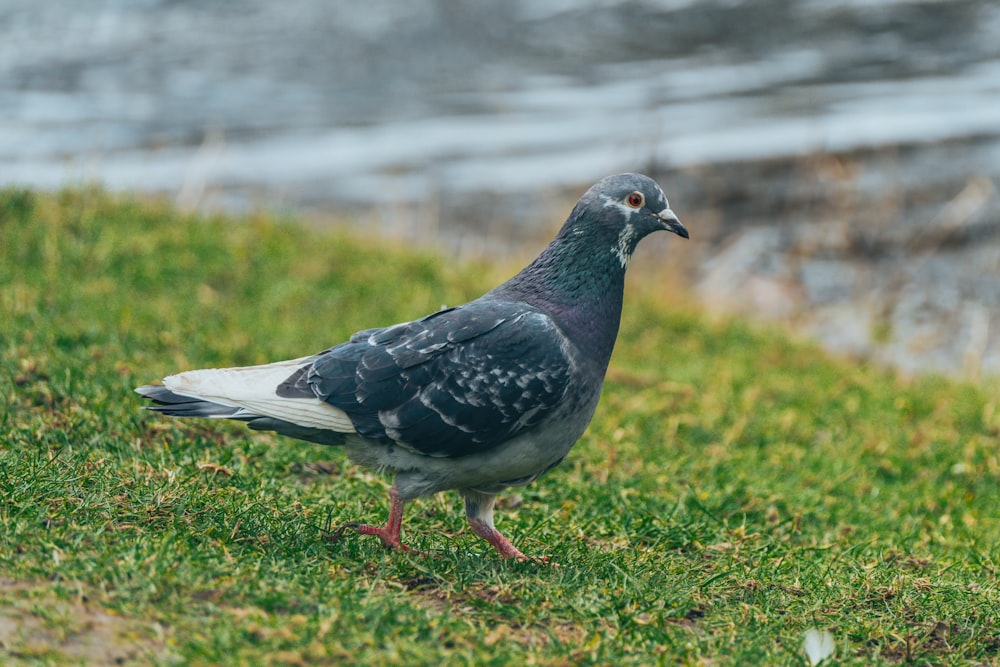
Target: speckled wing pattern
454, 383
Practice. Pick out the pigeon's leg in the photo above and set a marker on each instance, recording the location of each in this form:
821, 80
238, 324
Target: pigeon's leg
479, 511
389, 533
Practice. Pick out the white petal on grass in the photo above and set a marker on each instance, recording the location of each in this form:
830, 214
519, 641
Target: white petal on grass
818, 645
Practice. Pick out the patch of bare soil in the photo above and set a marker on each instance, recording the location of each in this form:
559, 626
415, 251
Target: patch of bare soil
35, 625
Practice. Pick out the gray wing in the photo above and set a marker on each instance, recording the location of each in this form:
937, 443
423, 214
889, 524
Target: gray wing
454, 383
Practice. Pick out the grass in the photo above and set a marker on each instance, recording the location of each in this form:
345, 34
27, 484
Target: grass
735, 490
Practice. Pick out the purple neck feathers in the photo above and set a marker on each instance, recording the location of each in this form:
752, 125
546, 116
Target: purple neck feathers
578, 281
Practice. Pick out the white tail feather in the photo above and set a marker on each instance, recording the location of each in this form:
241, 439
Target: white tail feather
253, 389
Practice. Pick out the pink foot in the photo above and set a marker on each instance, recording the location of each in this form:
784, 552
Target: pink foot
479, 512
389, 533
384, 533
486, 531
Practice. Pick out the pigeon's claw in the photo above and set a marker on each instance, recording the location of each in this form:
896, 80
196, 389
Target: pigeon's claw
389, 533
479, 512
485, 530
389, 538
503, 545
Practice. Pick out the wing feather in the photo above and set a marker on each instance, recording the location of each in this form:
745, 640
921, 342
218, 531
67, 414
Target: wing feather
454, 383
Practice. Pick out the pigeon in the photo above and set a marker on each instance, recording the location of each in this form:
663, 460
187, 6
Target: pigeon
476, 398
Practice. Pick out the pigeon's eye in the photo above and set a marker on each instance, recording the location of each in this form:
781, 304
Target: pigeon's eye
635, 200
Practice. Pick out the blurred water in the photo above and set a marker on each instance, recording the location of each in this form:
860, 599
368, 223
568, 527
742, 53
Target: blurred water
836, 160
315, 102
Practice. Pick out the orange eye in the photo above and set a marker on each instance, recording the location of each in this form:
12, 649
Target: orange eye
635, 200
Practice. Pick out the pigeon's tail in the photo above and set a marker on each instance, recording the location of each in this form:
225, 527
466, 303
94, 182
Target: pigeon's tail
176, 405
249, 394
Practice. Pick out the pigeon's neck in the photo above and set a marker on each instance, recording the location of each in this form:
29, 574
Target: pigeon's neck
578, 281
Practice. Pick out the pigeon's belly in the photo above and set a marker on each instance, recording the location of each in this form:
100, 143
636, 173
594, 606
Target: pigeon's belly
515, 462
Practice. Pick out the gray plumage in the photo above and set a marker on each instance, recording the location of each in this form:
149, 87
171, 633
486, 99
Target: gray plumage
480, 397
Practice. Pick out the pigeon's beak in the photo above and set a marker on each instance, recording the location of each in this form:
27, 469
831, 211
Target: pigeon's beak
672, 224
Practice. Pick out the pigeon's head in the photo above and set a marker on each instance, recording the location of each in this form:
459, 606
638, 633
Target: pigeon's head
632, 200
623, 209
580, 277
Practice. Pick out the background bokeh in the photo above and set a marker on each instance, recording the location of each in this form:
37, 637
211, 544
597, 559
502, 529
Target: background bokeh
836, 161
